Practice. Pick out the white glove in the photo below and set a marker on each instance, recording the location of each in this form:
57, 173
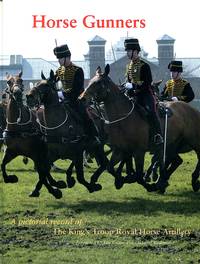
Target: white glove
128, 85
60, 96
174, 99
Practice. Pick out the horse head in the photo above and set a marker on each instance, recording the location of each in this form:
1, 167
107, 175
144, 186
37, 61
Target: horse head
43, 92
99, 85
15, 86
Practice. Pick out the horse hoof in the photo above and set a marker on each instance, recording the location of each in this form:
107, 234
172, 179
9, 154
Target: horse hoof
11, 179
34, 194
162, 187
119, 183
130, 179
95, 188
196, 186
71, 182
161, 191
151, 187
57, 193
61, 184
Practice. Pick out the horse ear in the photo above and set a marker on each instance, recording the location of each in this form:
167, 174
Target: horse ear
51, 75
107, 69
42, 76
98, 70
8, 76
20, 74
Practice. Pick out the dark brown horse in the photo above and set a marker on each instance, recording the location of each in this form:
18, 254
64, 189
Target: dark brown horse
2, 121
22, 138
64, 133
129, 132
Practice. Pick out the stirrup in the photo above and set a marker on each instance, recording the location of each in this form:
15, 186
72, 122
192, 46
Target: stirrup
158, 139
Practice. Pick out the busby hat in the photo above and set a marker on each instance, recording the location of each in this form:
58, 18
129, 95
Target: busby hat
132, 44
175, 66
62, 51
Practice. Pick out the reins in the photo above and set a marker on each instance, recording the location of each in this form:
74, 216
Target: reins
51, 128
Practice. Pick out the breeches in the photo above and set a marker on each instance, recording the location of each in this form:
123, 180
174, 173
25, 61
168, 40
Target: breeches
148, 101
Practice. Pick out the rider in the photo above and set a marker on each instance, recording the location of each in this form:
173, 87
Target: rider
72, 79
177, 89
139, 79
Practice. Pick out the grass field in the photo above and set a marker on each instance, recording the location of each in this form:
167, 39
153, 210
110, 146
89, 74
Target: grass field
110, 226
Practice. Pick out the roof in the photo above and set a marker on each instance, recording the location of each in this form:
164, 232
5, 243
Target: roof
97, 38
166, 37
191, 67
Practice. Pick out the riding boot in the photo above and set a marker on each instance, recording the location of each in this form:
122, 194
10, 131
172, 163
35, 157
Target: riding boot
92, 133
155, 125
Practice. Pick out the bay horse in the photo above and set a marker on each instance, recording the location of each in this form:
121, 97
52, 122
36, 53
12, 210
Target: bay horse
64, 133
22, 138
129, 132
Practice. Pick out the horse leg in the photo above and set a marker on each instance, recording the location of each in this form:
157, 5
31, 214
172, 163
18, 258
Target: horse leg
80, 175
43, 170
69, 179
58, 184
130, 172
174, 164
36, 191
102, 161
85, 162
151, 169
162, 182
139, 165
8, 156
120, 167
195, 175
115, 158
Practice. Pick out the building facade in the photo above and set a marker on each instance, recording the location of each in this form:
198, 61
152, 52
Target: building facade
117, 59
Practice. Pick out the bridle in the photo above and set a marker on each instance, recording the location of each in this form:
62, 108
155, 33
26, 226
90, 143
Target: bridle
106, 88
13, 91
40, 95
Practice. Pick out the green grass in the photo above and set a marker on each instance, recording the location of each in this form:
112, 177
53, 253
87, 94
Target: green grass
110, 226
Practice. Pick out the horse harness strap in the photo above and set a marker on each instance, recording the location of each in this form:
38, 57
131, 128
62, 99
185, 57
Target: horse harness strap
61, 139
24, 134
107, 122
51, 128
18, 122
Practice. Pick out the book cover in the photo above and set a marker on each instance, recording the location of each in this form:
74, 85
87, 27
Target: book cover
129, 225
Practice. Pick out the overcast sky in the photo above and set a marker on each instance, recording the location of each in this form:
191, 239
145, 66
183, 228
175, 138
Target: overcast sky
178, 19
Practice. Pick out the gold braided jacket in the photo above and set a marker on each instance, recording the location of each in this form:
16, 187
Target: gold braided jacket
133, 71
175, 88
66, 76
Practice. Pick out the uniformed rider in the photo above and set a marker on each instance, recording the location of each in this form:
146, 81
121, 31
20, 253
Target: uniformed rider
72, 79
139, 79
177, 88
